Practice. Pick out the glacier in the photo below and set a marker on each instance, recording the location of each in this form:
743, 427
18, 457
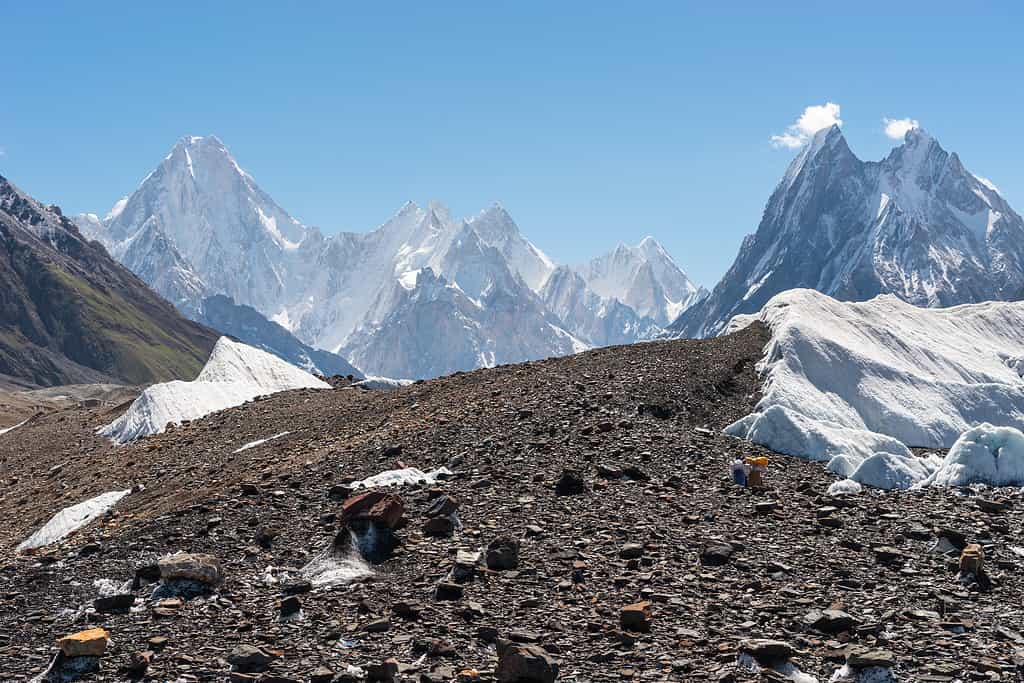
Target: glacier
988, 454
857, 384
235, 373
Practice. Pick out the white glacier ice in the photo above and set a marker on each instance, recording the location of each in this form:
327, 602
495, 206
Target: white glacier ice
402, 477
259, 442
983, 455
71, 519
332, 568
857, 384
234, 374
11, 428
382, 383
889, 471
844, 487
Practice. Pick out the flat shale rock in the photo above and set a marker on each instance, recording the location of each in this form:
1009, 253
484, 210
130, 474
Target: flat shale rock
525, 664
89, 643
198, 567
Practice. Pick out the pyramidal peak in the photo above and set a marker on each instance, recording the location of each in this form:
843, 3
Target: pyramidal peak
917, 225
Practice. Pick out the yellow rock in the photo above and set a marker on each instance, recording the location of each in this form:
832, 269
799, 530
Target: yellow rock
89, 643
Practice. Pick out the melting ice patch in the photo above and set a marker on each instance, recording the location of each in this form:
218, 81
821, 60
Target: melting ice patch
855, 384
402, 477
234, 374
872, 674
382, 383
844, 487
72, 519
331, 568
8, 429
259, 442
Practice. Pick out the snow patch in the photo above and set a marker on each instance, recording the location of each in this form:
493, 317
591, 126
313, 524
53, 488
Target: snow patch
873, 674
12, 428
844, 487
259, 442
408, 279
71, 519
402, 477
116, 210
577, 345
234, 374
283, 319
382, 383
987, 183
331, 568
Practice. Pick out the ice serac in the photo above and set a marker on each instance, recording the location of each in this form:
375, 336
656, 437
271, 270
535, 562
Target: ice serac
917, 225
858, 383
234, 374
645, 278
985, 454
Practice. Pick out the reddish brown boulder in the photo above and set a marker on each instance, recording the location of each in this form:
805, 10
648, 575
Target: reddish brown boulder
378, 507
636, 617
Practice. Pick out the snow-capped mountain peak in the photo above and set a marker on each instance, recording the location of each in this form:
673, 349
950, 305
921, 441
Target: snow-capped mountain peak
496, 228
227, 232
199, 226
643, 277
916, 224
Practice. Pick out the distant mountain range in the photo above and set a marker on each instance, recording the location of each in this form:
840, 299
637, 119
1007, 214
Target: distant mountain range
71, 314
917, 225
424, 294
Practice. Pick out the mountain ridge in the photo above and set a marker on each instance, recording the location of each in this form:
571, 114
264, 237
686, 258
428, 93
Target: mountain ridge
70, 313
916, 224
198, 225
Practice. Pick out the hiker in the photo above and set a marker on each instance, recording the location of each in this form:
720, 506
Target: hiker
758, 468
739, 471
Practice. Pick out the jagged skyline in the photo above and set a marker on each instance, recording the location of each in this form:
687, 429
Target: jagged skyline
613, 125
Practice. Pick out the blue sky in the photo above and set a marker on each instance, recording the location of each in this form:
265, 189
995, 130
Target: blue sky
593, 123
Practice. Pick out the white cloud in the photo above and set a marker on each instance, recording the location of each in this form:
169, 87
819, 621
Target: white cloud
897, 129
814, 118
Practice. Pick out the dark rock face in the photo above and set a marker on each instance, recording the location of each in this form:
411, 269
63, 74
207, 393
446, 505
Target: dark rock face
71, 314
249, 326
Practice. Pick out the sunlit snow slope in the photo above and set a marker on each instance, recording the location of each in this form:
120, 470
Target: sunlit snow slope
234, 374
